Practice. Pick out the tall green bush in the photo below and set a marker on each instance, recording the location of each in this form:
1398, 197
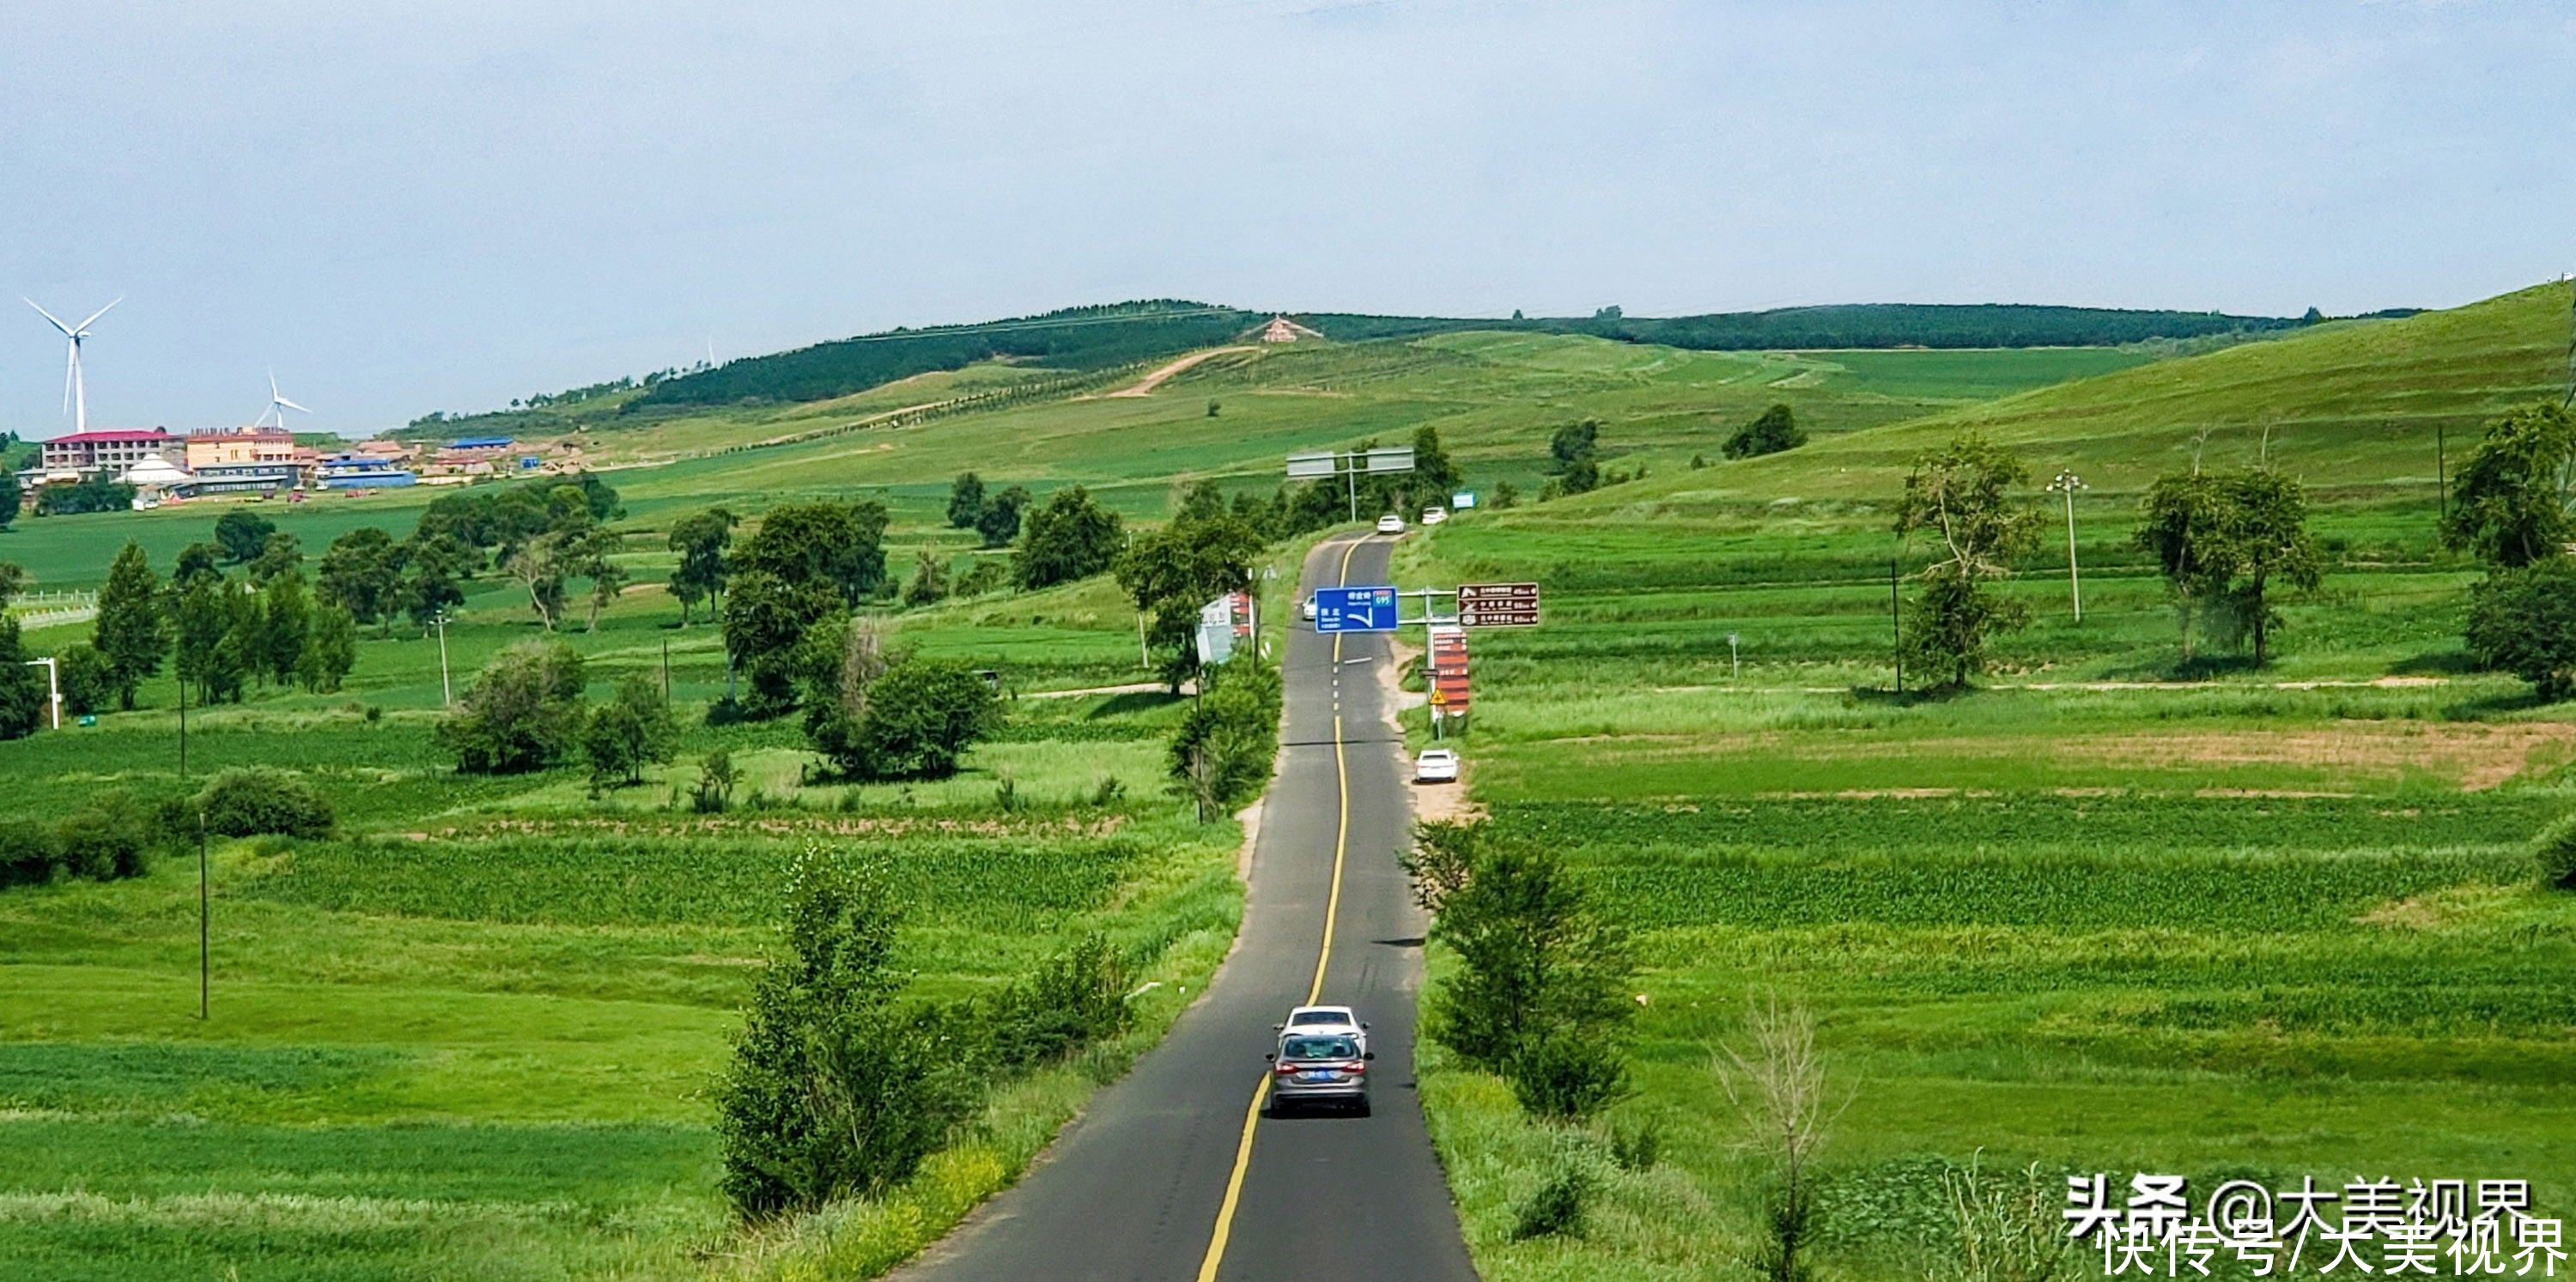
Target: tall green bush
522, 713
263, 800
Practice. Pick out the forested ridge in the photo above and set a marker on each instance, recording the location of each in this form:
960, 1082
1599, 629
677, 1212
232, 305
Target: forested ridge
1100, 337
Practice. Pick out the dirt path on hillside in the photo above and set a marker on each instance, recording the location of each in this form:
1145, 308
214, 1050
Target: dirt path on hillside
1146, 385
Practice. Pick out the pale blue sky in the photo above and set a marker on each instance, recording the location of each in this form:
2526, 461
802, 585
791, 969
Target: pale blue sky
442, 205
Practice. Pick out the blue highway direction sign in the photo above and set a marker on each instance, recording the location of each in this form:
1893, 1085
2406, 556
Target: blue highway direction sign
1355, 609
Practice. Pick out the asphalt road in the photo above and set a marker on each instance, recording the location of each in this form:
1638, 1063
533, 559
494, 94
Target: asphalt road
1172, 1174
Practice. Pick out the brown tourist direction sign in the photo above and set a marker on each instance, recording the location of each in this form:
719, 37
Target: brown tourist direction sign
1498, 605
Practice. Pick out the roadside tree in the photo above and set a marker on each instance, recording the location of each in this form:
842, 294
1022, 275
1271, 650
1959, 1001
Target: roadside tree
132, 630
242, 534
701, 540
2514, 502
1068, 537
1961, 496
523, 712
2523, 621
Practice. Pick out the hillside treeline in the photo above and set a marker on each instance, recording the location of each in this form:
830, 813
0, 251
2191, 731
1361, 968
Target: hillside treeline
1091, 338
1080, 338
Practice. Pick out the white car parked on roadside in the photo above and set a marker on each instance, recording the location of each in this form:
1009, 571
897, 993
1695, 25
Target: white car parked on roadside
1390, 524
1434, 515
1436, 765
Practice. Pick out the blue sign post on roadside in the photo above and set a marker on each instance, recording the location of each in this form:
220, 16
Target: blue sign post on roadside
1355, 609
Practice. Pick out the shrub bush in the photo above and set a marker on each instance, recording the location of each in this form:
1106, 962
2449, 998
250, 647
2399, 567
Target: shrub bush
110, 838
2555, 852
1556, 1207
29, 853
914, 721
1075, 997
1229, 738
1567, 1073
522, 713
248, 803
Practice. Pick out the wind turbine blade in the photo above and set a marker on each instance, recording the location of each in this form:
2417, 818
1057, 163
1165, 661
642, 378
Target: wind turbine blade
58, 324
272, 385
71, 370
101, 311
281, 419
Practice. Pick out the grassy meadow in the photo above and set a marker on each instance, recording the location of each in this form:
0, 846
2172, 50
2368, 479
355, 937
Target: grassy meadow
2103, 913
2107, 913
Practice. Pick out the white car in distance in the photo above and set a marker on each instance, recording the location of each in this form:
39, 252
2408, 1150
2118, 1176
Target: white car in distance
1390, 524
1304, 1020
1434, 515
1436, 765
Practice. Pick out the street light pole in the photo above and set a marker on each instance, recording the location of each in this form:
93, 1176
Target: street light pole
2068, 483
446, 694
53, 689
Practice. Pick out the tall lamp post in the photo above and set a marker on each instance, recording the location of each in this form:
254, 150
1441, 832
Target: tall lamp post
447, 695
53, 688
2068, 483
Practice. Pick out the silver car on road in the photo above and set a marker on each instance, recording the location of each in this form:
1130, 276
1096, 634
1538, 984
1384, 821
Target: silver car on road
1319, 1068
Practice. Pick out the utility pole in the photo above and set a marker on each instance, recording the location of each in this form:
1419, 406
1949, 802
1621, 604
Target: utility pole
53, 689
2068, 483
1144, 657
666, 669
183, 729
2442, 471
205, 929
1896, 625
446, 693
1734, 660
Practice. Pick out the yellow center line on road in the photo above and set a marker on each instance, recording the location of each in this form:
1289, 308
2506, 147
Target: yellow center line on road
1323, 957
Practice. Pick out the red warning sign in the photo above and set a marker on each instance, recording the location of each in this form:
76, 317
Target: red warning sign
1448, 664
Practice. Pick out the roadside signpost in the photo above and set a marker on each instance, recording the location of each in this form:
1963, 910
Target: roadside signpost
1447, 662
1349, 465
1221, 623
1348, 609
1498, 605
1462, 500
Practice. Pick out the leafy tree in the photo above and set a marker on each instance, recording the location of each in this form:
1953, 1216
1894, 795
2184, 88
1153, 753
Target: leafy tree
1505, 495
1229, 738
242, 535
435, 567
2523, 621
1540, 972
197, 561
361, 573
1435, 475
999, 523
915, 721
9, 496
701, 539
22, 688
1574, 443
832, 545
966, 501
281, 554
1068, 537
13, 581
201, 614
1172, 572
2267, 540
1776, 429
984, 575
834, 1089
1961, 495
93, 493
929, 584
766, 621
2514, 501
331, 652
88, 679
2184, 522
236, 655
523, 712
539, 566
629, 732
591, 554
286, 622
132, 630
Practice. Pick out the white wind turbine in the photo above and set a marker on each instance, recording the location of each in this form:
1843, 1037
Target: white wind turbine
277, 406
75, 392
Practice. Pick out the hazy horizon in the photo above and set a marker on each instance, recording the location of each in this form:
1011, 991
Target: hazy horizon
445, 208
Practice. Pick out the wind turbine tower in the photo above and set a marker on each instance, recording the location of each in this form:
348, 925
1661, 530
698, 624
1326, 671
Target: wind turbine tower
75, 392
277, 406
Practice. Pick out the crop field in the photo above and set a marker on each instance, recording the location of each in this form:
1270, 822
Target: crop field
2105, 913
475, 1031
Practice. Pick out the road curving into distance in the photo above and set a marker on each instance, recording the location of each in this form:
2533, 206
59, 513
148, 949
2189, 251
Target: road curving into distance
1176, 1172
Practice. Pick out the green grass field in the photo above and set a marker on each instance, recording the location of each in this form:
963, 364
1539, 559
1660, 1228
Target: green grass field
2095, 916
